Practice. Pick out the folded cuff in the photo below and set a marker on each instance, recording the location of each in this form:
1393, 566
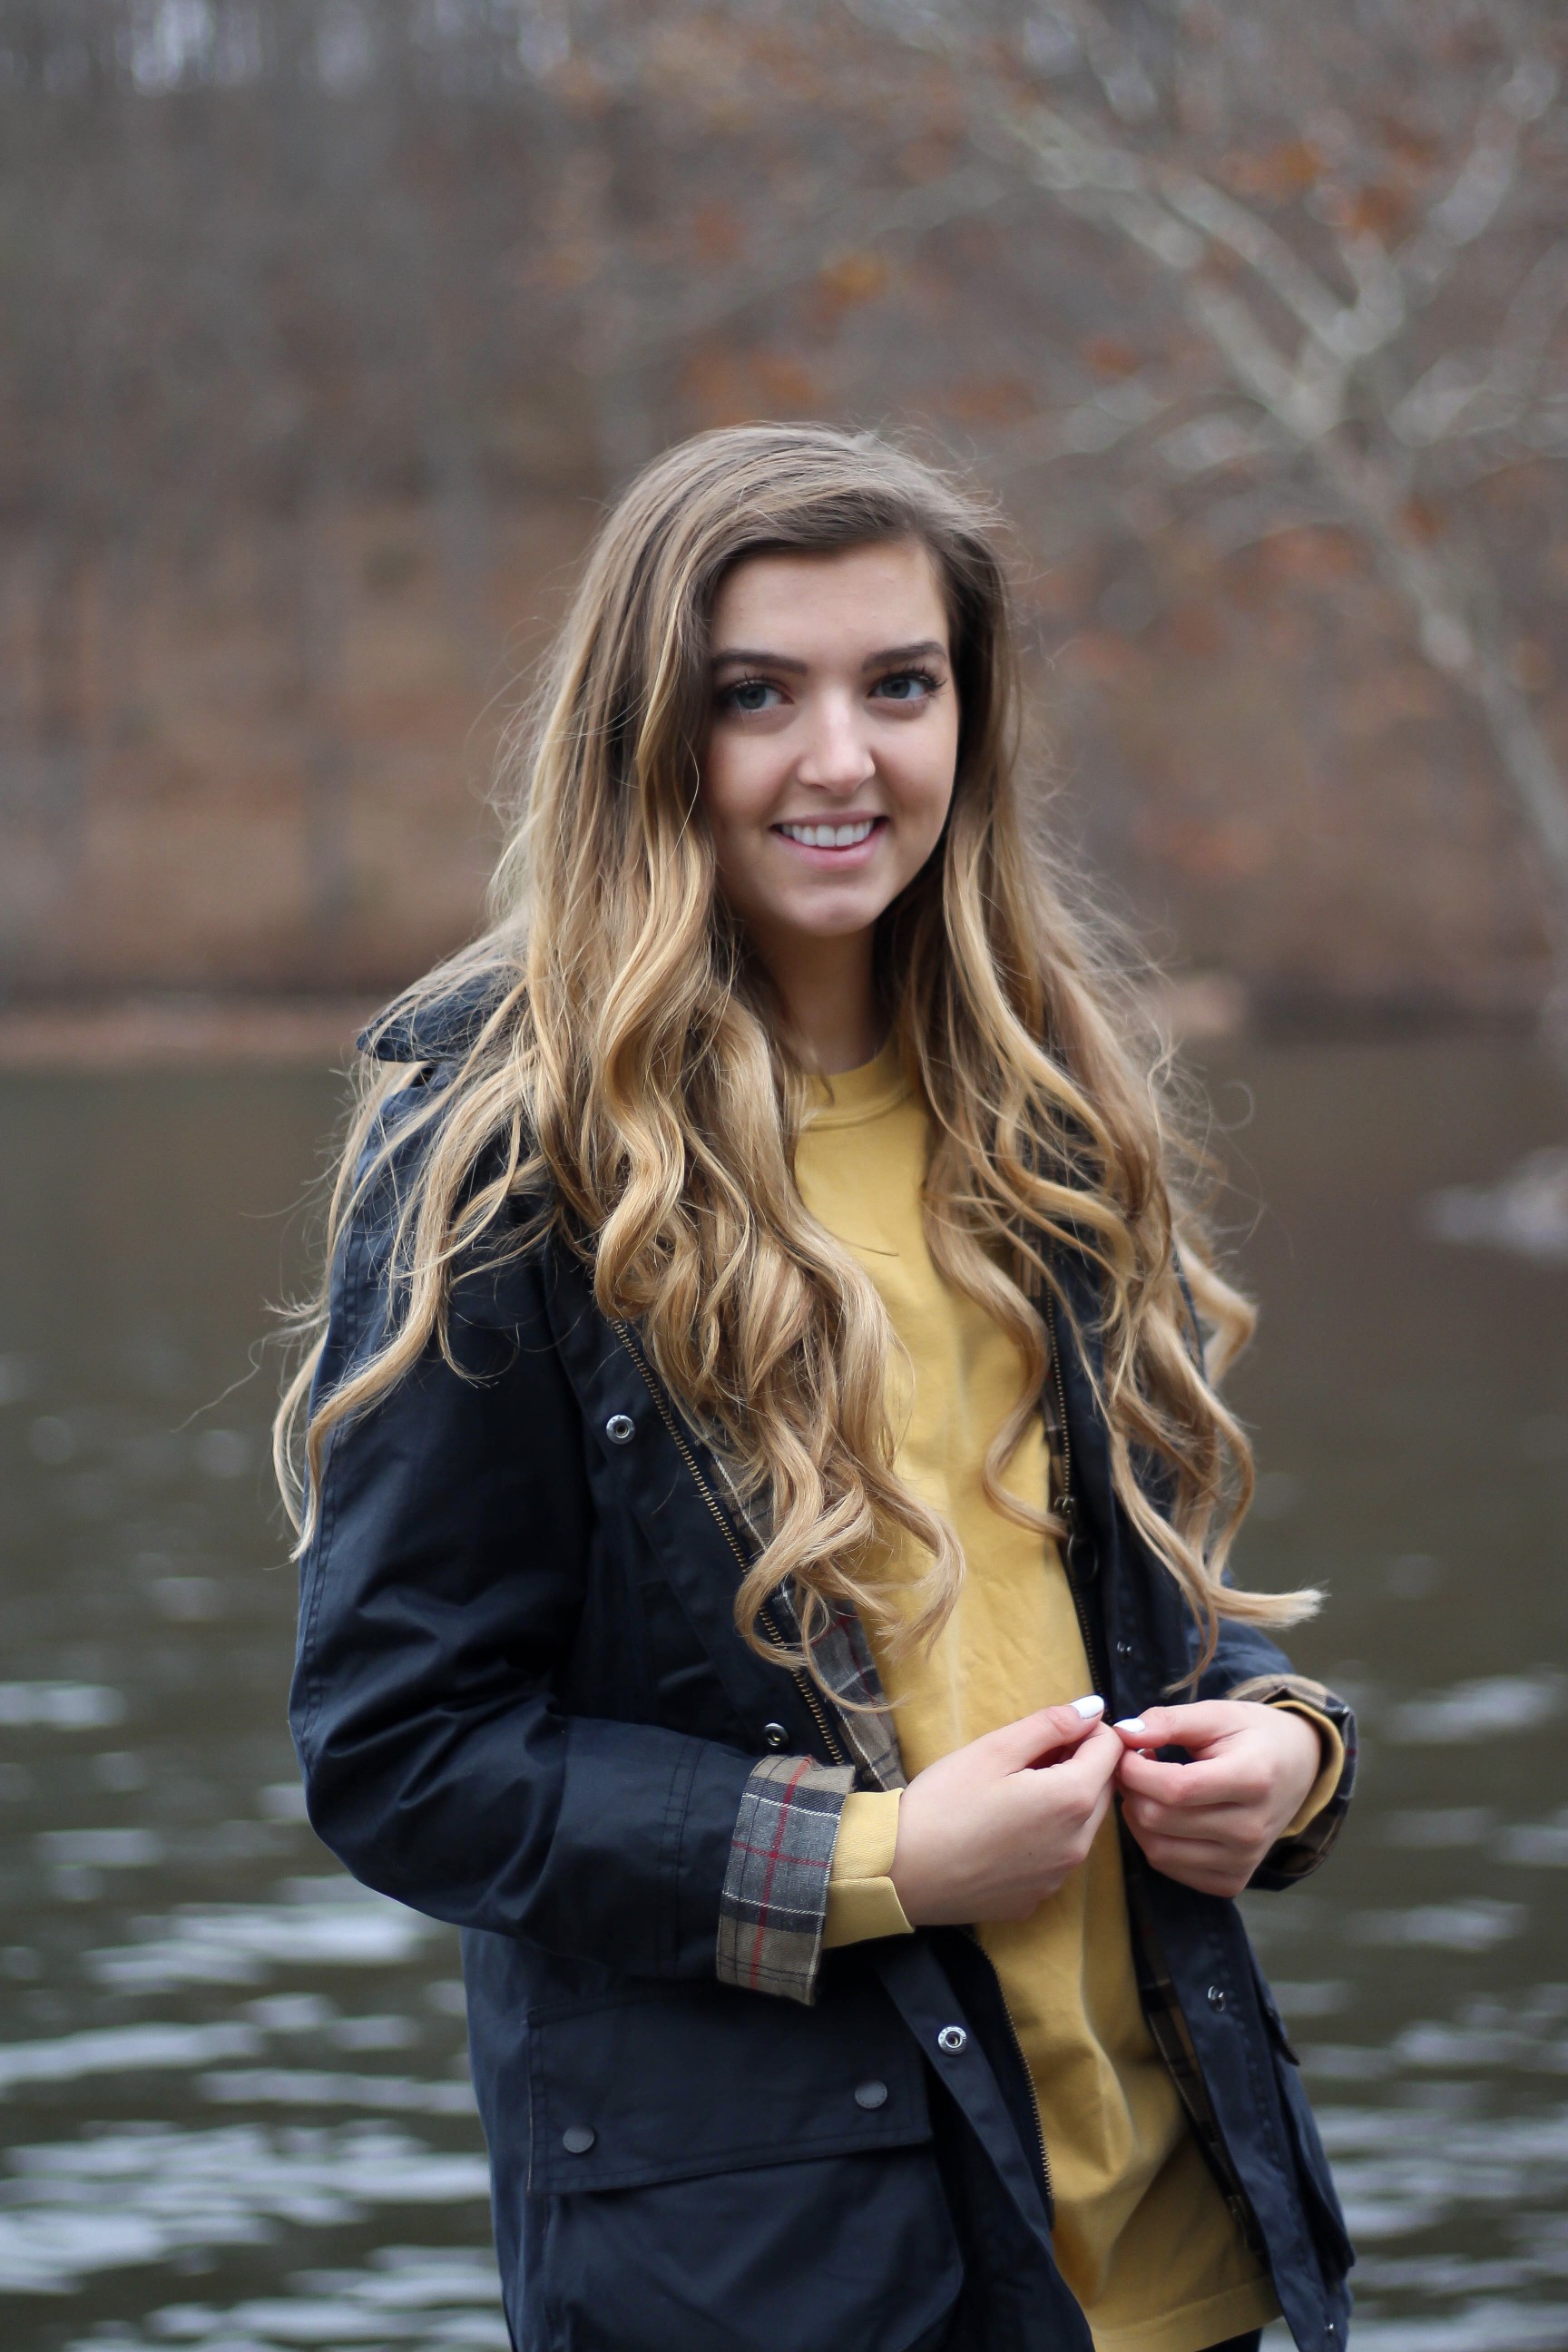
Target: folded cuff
1305, 1844
862, 1902
773, 1905
1333, 1765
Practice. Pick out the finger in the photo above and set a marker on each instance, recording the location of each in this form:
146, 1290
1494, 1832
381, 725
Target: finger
1186, 1785
1017, 1746
1193, 1727
1210, 1854
1211, 1869
1072, 1784
1091, 1766
1221, 1824
1098, 1811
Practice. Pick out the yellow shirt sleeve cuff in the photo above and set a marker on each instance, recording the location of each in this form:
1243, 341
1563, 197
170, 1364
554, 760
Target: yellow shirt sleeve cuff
1328, 1779
861, 1901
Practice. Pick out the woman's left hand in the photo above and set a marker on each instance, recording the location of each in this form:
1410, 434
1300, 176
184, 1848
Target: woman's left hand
1209, 1824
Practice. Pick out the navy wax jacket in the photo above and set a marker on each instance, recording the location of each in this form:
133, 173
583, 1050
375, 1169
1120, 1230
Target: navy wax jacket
521, 1705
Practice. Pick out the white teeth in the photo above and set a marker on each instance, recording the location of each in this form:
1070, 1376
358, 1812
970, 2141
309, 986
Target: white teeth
830, 837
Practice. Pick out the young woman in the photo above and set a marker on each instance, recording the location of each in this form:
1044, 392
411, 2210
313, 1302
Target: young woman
765, 1510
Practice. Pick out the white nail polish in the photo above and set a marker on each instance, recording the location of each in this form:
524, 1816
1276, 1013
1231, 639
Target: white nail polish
1131, 1723
1090, 1706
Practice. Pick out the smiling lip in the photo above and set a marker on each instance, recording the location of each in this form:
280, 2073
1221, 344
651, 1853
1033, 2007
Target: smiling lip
839, 842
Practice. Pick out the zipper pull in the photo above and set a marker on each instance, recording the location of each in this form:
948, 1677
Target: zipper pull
1078, 1558
1062, 1499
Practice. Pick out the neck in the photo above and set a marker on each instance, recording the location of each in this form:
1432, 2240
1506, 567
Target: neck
829, 998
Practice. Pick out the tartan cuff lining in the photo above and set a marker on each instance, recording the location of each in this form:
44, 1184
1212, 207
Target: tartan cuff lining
773, 1905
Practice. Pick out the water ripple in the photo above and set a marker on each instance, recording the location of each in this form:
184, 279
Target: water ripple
289, 2086
145, 2193
60, 1706
122, 2049
321, 1921
1480, 1709
444, 2301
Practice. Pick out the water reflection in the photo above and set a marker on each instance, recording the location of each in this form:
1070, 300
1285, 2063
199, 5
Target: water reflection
312, 1922
233, 2084
414, 2296
139, 2193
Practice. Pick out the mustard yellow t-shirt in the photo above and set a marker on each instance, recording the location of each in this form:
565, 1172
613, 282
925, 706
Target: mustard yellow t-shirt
1143, 2235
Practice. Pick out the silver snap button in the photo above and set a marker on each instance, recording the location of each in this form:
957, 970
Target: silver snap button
775, 1734
870, 2095
578, 2139
1216, 1996
952, 2038
620, 1428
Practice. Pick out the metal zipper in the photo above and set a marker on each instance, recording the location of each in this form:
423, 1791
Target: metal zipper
1195, 2096
1040, 2148
1067, 1508
802, 1681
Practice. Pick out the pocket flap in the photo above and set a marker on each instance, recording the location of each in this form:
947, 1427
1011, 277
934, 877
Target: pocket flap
679, 2081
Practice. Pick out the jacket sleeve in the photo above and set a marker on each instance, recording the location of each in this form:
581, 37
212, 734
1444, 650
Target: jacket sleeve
1248, 1665
440, 1593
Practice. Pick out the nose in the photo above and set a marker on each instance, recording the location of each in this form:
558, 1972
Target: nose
836, 757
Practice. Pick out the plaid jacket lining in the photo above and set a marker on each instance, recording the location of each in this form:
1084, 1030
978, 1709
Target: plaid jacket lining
774, 1906
774, 1900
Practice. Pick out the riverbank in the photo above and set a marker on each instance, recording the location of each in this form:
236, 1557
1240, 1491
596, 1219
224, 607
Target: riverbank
184, 1030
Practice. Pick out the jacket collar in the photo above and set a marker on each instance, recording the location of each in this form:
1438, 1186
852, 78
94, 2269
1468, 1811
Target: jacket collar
434, 1027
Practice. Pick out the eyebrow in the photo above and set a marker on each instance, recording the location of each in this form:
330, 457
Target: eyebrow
888, 659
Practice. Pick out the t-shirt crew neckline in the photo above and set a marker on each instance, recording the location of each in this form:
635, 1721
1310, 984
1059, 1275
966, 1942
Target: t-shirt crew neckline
850, 1097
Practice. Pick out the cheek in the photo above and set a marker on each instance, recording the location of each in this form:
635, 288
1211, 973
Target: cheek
722, 793
926, 783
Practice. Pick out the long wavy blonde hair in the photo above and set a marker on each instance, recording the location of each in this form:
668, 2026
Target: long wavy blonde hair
630, 1080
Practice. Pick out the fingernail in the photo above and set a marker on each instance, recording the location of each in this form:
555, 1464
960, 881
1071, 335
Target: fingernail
1088, 1707
1131, 1723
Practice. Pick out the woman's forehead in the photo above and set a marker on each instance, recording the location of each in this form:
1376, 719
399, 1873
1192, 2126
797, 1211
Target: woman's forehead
822, 596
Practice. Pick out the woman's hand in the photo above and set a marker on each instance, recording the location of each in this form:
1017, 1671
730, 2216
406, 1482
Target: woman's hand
990, 1830
1209, 1824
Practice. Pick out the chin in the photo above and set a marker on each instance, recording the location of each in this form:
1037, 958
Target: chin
837, 922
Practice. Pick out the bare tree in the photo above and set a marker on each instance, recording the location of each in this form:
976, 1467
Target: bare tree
1381, 321
1190, 279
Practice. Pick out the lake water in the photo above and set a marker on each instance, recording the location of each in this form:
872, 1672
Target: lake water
233, 2099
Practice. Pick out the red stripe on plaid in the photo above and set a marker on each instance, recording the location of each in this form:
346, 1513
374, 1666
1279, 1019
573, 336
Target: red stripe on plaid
770, 1853
791, 1785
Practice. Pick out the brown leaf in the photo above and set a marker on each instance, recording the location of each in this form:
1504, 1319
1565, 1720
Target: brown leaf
990, 400
854, 278
1274, 176
1112, 355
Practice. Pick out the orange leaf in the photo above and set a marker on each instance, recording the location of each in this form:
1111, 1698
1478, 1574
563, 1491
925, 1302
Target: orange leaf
855, 278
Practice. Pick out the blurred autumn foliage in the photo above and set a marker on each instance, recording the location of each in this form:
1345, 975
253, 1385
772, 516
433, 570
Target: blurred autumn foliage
329, 325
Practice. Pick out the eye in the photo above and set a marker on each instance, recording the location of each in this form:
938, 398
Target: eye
907, 686
748, 694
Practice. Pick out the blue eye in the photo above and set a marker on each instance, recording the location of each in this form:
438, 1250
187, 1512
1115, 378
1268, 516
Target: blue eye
749, 695
907, 686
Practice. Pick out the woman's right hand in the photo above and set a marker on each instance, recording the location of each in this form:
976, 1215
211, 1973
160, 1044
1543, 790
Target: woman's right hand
989, 1832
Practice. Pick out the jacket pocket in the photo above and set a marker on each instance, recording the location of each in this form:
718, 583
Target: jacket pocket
1324, 2218
730, 2174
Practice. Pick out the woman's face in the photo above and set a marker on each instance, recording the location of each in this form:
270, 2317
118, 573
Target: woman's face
828, 767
